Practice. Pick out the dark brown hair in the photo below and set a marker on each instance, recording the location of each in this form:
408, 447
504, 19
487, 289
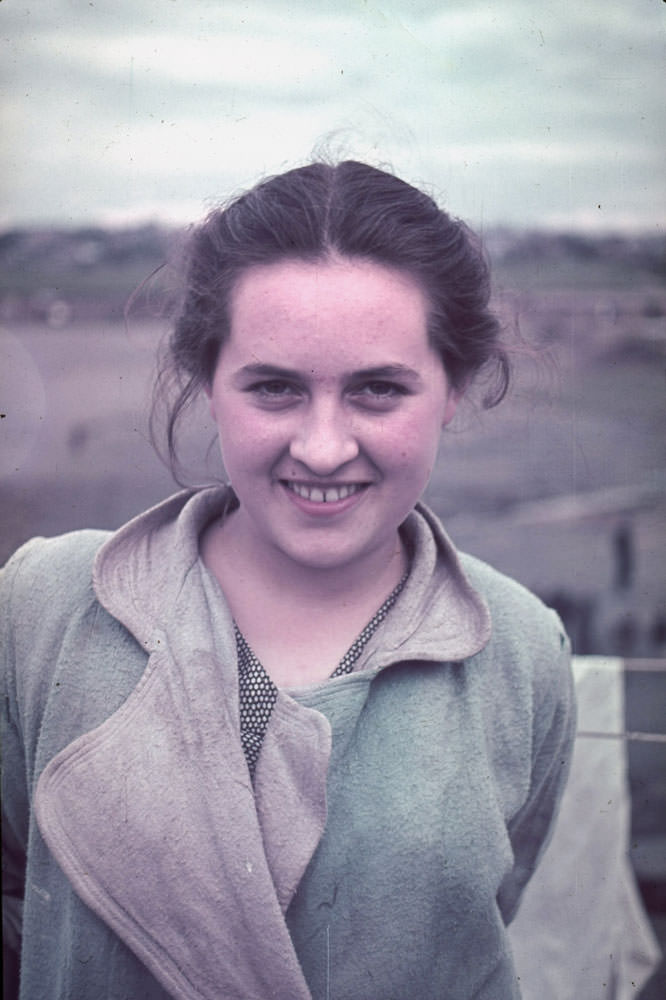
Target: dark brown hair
310, 213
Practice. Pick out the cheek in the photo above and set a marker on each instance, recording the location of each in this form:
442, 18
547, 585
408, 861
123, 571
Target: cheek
246, 440
411, 450
417, 440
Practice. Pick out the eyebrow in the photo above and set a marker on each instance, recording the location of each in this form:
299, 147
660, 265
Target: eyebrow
259, 369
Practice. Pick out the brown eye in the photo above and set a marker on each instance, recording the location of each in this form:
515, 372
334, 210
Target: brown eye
378, 394
382, 389
274, 392
273, 388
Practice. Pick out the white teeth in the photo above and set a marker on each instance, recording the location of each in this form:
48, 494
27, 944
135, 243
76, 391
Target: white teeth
328, 495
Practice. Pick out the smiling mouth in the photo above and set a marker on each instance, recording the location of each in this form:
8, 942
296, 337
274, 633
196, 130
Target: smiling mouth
320, 494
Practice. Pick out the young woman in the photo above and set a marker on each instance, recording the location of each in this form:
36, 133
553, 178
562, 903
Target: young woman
278, 739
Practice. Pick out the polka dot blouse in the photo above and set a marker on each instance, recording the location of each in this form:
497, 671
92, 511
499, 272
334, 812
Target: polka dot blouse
258, 692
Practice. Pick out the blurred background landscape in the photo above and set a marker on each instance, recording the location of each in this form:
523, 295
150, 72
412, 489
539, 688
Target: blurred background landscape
561, 486
543, 126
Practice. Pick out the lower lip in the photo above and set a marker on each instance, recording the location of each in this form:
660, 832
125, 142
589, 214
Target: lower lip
324, 509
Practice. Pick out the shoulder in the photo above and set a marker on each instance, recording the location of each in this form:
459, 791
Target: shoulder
527, 661
66, 663
46, 591
526, 681
518, 616
51, 572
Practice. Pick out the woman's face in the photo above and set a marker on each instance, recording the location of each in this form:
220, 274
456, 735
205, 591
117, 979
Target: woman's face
329, 401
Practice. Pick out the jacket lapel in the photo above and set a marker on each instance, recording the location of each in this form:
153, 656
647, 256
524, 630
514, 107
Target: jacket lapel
152, 818
152, 815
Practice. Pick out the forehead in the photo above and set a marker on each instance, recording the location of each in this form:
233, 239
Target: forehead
339, 298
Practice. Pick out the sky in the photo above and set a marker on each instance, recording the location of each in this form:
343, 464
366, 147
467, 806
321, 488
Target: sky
518, 112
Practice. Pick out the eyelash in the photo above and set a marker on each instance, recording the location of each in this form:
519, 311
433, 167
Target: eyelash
388, 392
394, 389
262, 388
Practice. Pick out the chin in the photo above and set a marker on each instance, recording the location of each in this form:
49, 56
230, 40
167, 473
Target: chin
325, 558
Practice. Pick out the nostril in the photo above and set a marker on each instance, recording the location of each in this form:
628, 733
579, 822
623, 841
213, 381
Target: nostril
323, 454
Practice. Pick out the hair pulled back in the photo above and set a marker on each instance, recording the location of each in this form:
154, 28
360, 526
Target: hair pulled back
348, 209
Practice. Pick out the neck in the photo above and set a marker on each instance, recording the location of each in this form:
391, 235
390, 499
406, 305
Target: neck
229, 550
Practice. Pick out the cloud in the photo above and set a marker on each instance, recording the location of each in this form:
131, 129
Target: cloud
163, 103
230, 60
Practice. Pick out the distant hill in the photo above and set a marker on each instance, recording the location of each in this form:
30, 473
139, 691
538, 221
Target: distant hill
546, 260
59, 275
63, 274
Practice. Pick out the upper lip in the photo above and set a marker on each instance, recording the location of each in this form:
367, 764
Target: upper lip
323, 484
327, 492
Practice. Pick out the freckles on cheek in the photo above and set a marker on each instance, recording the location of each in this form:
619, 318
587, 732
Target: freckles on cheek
247, 444
417, 442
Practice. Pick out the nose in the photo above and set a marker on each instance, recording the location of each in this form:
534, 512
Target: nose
324, 439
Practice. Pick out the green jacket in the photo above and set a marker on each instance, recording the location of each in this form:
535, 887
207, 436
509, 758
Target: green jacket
397, 812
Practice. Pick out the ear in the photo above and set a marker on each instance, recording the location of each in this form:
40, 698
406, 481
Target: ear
453, 398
